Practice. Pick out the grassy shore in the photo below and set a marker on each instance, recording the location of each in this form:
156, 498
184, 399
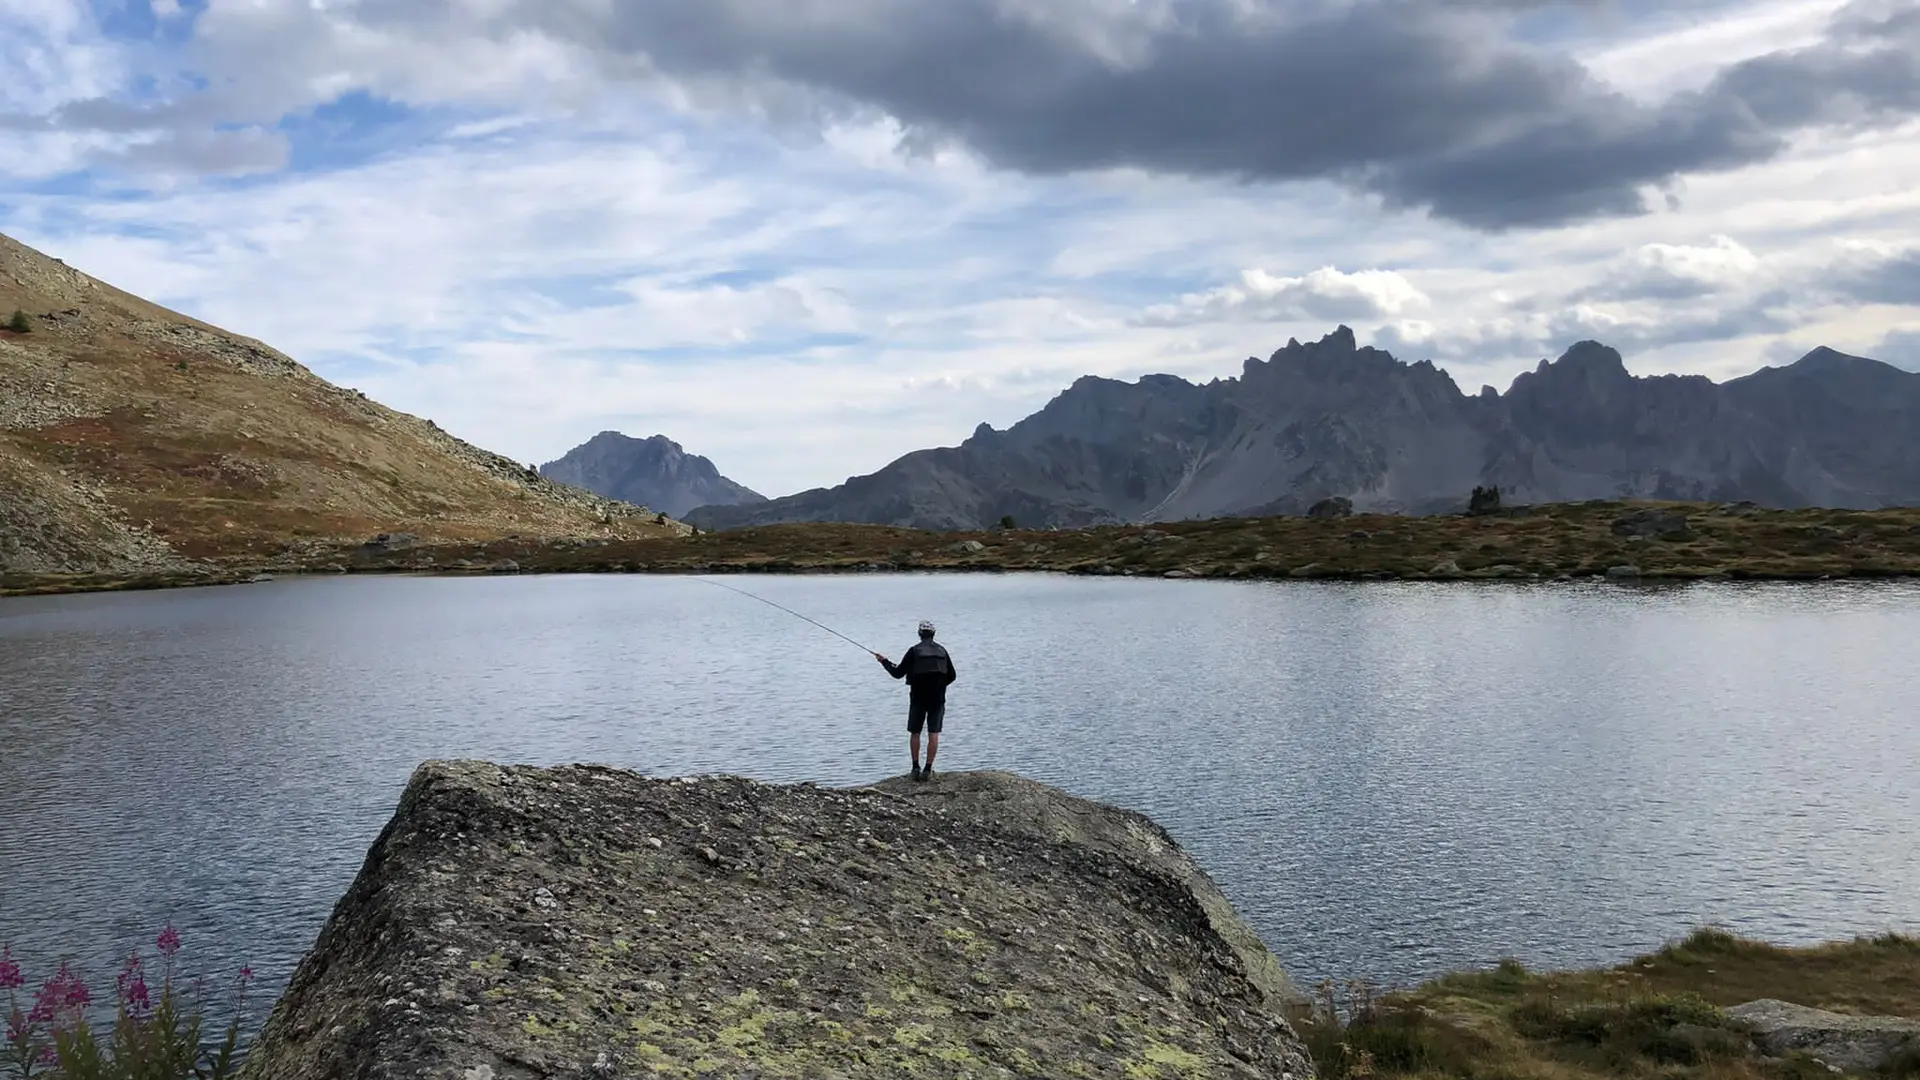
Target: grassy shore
1576, 540
17, 584
1658, 1016
1633, 541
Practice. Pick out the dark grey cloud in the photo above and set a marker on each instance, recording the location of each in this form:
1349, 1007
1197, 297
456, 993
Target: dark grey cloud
1894, 280
1427, 105
1651, 285
1901, 348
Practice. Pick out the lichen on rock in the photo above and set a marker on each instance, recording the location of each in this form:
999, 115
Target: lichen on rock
517, 922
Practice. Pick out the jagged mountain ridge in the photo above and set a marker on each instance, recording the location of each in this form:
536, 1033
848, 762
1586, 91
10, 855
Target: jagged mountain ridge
136, 439
1331, 418
655, 472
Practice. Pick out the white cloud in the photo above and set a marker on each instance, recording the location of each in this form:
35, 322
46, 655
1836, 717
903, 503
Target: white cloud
52, 52
1722, 263
1326, 293
1682, 51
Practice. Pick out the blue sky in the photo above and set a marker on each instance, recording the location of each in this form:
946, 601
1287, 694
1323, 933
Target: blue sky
804, 239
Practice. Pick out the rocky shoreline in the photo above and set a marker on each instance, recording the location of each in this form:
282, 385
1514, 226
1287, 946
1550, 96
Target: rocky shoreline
1628, 542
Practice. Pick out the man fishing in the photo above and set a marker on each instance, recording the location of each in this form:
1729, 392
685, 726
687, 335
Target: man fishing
928, 671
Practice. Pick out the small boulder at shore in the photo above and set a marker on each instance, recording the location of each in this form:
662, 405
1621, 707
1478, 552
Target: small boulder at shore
1854, 1044
388, 542
585, 921
1337, 506
1653, 524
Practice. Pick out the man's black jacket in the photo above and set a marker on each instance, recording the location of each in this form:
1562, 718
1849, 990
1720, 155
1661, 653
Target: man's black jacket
928, 671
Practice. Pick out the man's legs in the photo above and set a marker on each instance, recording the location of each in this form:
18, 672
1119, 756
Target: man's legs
936, 716
916, 716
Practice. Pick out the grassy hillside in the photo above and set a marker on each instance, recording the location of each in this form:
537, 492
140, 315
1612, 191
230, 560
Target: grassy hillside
135, 440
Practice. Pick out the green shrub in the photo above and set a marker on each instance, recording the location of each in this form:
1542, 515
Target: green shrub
1384, 1037
19, 324
1670, 1030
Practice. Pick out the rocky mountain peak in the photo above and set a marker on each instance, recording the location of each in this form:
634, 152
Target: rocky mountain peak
1825, 361
1339, 343
655, 472
1587, 367
1590, 361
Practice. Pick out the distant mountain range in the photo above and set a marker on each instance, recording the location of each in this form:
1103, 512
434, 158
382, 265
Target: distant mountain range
655, 472
1332, 419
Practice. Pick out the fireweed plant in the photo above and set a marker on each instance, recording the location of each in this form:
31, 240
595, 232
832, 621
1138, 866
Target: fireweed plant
155, 1035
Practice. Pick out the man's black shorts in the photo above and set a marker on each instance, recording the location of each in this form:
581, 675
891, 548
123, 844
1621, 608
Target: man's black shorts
928, 713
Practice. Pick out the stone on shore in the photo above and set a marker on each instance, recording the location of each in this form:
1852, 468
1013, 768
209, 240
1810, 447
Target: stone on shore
1654, 524
517, 922
1847, 1043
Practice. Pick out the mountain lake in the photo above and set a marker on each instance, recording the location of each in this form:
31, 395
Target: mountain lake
1389, 780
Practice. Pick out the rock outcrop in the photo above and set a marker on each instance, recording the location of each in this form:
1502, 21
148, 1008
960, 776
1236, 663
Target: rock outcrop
1048, 814
1854, 1044
135, 439
1331, 419
655, 472
517, 922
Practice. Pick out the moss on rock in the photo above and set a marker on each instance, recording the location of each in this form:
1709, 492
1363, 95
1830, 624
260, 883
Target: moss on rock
518, 922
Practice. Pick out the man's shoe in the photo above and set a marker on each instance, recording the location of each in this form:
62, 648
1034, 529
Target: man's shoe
916, 773
927, 773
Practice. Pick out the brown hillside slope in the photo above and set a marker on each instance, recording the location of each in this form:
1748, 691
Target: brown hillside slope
133, 438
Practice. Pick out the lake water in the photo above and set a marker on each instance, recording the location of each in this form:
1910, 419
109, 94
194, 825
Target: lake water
1388, 780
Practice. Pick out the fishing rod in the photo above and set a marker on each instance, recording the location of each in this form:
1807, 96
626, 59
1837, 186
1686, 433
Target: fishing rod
791, 612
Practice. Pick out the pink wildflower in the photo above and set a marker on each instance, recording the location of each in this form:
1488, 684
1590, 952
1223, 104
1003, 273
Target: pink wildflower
62, 995
246, 974
133, 987
77, 995
168, 941
46, 1002
10, 977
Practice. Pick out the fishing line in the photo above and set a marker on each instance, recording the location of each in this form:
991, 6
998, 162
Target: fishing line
791, 612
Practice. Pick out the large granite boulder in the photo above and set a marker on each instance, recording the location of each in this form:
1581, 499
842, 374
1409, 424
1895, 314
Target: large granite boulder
515, 922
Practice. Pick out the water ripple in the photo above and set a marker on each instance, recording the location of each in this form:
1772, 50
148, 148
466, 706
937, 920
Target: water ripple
1389, 780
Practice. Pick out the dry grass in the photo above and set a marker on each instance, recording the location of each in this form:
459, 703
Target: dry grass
1547, 542
1655, 1017
137, 422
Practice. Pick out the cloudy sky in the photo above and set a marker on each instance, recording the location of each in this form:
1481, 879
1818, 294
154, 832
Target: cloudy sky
805, 237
